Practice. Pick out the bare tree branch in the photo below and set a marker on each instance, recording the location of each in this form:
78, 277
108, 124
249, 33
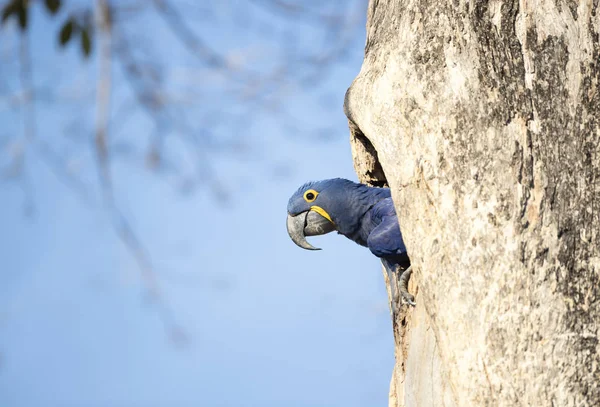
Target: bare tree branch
57, 166
297, 10
187, 36
103, 91
122, 227
28, 109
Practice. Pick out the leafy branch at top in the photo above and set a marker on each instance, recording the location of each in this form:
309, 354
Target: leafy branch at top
80, 25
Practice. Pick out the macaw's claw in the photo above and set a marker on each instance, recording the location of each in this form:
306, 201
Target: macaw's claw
403, 283
410, 300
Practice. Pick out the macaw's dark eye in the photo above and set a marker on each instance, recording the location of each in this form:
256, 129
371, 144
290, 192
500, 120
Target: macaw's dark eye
310, 195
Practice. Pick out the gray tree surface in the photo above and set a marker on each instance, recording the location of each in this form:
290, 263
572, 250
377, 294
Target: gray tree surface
483, 118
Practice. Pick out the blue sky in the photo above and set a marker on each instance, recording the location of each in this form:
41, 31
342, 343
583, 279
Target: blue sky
267, 323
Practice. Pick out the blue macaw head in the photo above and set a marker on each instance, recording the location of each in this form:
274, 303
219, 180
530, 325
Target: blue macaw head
320, 207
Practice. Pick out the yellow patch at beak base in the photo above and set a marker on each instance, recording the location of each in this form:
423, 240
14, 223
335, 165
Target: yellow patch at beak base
321, 212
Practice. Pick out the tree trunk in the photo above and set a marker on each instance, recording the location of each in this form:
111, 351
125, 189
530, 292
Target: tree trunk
484, 119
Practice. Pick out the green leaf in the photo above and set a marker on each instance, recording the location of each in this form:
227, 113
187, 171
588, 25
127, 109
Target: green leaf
9, 10
52, 5
66, 31
22, 13
86, 42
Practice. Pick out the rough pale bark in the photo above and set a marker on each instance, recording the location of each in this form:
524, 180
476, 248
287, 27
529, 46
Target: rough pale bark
484, 119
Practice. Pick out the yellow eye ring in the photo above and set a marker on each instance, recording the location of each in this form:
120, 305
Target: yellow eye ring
310, 195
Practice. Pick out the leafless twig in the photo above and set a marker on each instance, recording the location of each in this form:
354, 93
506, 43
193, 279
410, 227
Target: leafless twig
103, 91
186, 35
122, 227
28, 108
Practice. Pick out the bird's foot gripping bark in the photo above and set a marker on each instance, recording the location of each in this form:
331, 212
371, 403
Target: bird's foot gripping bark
403, 286
399, 287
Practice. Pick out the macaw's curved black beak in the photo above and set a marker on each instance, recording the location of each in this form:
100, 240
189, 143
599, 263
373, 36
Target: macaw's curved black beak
307, 223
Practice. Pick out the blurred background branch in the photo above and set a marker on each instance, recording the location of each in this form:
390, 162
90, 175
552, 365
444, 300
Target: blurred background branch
199, 88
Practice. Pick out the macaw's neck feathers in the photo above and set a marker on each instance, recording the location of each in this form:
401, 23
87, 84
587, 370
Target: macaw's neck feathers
352, 201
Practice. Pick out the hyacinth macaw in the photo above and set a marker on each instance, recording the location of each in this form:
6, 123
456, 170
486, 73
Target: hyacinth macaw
363, 214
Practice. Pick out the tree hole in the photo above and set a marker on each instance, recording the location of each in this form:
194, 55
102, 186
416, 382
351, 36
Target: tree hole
366, 162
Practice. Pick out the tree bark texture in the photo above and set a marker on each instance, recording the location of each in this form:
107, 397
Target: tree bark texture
483, 117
